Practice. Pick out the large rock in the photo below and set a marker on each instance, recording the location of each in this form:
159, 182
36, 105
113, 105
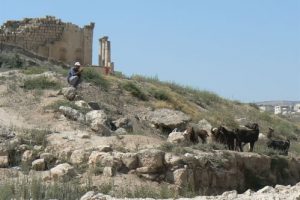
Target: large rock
204, 124
62, 172
39, 165
79, 157
97, 119
130, 160
81, 104
178, 137
167, 119
72, 113
3, 161
151, 160
184, 178
49, 159
28, 156
104, 159
173, 161
69, 93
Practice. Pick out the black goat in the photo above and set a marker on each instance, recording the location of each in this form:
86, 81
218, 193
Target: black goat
281, 145
247, 136
224, 136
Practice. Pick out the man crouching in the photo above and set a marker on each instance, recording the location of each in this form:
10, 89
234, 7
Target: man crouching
74, 75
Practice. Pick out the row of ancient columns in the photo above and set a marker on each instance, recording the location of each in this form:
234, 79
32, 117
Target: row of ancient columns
104, 55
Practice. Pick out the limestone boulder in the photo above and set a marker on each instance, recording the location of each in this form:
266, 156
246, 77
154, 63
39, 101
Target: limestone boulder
104, 159
104, 148
167, 119
130, 160
124, 123
79, 157
151, 160
173, 161
39, 165
97, 119
69, 93
62, 171
204, 124
109, 171
49, 158
82, 104
121, 122
178, 137
72, 114
28, 156
96, 115
120, 131
184, 178
4, 161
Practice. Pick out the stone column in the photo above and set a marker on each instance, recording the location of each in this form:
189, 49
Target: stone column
105, 55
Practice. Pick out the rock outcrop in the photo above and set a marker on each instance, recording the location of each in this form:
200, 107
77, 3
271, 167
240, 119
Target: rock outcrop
279, 192
167, 119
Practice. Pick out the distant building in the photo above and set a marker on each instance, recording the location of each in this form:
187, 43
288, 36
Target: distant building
284, 110
266, 108
297, 107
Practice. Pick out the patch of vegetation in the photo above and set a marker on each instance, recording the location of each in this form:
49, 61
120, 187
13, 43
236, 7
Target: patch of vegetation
264, 150
160, 94
37, 189
253, 105
209, 146
34, 137
178, 149
11, 62
55, 106
40, 83
91, 75
34, 70
135, 91
144, 191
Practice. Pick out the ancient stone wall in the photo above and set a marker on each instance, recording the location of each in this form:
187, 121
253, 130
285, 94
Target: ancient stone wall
51, 38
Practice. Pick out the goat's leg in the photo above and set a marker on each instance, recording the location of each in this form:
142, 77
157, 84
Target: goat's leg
251, 146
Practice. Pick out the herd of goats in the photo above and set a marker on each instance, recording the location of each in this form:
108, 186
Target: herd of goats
235, 139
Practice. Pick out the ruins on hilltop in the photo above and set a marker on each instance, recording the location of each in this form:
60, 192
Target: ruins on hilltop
51, 38
105, 56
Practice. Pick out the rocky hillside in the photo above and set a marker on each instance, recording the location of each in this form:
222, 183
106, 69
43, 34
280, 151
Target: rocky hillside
111, 136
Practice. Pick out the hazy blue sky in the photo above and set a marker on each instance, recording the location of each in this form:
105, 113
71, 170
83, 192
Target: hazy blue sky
243, 50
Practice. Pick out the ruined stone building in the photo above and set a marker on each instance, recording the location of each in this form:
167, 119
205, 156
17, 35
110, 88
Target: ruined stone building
51, 38
105, 56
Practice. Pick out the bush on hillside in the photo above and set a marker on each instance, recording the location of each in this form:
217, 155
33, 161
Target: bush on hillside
40, 83
135, 91
91, 75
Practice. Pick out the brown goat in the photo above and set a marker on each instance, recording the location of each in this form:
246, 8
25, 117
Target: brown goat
194, 133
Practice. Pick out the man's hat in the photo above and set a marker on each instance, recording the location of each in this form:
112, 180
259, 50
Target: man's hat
77, 64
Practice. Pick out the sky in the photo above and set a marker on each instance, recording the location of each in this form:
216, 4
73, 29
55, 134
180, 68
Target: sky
241, 50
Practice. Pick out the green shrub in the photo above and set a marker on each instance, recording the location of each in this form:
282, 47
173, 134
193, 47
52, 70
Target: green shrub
37, 189
34, 70
178, 149
34, 137
91, 75
40, 83
160, 94
135, 91
209, 146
